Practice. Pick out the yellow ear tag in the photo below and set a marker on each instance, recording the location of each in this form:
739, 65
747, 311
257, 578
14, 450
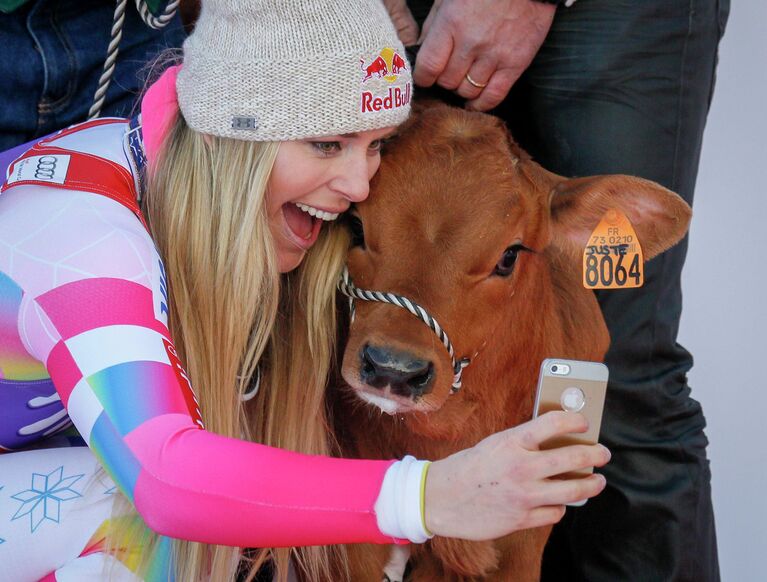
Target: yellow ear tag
613, 258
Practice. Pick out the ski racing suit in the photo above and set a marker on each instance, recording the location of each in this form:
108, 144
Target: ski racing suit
84, 341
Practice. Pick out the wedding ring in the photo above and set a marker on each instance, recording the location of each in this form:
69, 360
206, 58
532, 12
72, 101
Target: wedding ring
473, 82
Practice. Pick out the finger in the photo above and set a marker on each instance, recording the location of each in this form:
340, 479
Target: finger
495, 92
541, 516
532, 433
403, 21
455, 71
566, 459
433, 56
560, 491
429, 20
480, 72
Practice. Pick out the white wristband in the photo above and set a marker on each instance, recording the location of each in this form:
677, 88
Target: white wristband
398, 507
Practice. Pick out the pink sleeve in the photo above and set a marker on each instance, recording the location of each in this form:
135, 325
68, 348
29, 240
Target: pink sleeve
201, 486
102, 333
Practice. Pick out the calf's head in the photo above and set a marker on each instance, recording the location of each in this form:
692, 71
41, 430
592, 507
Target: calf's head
461, 221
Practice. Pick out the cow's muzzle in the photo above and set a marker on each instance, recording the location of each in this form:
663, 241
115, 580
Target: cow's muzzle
405, 374
346, 287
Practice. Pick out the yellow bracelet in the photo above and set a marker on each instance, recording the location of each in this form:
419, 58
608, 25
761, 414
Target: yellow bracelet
423, 499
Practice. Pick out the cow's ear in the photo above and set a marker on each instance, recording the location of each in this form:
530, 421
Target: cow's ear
659, 217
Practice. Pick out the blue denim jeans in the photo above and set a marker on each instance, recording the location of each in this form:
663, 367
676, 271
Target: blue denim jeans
52, 56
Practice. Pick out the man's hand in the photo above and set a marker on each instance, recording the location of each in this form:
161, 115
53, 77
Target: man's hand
490, 41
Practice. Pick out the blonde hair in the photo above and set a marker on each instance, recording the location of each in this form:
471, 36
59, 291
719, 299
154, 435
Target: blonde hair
231, 312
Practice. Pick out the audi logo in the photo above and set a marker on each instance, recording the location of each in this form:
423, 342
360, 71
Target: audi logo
46, 168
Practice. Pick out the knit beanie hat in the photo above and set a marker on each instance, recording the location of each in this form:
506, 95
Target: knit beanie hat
274, 70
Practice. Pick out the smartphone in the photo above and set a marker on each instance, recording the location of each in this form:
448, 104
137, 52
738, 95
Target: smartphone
572, 386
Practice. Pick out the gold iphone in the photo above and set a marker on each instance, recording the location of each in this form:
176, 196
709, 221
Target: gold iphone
572, 386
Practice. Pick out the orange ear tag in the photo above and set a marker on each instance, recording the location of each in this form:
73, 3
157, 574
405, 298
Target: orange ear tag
613, 258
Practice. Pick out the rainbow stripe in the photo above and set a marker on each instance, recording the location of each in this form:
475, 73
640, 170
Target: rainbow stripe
114, 455
129, 536
15, 362
130, 392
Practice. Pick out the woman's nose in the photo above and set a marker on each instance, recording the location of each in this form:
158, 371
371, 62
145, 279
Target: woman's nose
353, 180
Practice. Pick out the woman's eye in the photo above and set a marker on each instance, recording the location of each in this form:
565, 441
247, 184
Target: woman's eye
327, 147
505, 265
376, 145
355, 227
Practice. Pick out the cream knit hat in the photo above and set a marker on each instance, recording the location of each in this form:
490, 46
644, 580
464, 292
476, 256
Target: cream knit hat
274, 70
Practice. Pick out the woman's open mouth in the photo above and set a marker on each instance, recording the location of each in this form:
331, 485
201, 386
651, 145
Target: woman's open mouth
304, 222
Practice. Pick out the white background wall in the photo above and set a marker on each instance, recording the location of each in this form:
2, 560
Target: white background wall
725, 293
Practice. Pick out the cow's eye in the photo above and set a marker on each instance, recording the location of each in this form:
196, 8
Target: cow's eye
355, 227
505, 265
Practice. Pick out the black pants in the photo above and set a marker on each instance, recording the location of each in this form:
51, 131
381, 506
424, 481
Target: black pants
624, 87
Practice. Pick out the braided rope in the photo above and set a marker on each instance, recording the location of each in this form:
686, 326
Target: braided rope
346, 287
155, 22
109, 63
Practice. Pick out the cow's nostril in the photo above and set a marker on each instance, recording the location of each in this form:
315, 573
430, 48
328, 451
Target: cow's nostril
422, 380
368, 367
421, 383
406, 374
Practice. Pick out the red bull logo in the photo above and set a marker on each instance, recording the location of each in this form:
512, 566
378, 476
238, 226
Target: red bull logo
387, 65
377, 67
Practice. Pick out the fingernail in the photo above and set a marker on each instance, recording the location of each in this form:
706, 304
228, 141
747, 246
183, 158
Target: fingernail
601, 479
609, 454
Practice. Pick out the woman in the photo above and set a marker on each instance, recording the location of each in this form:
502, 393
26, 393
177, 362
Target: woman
236, 188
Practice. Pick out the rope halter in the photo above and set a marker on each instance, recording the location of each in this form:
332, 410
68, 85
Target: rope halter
346, 287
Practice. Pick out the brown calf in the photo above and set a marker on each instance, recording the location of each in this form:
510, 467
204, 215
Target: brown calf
463, 222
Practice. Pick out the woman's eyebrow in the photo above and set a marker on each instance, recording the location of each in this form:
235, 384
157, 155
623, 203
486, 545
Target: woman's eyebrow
355, 134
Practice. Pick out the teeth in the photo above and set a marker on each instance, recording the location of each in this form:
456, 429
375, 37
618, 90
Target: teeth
321, 214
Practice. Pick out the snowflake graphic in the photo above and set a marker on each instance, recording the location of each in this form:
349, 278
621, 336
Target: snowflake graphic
109, 487
43, 500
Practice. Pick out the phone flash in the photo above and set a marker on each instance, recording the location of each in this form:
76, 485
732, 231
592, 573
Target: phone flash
560, 369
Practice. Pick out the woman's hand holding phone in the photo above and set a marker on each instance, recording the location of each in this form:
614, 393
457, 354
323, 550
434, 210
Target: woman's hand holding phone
505, 482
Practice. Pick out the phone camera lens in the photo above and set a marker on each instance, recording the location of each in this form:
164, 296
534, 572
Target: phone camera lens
554, 368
